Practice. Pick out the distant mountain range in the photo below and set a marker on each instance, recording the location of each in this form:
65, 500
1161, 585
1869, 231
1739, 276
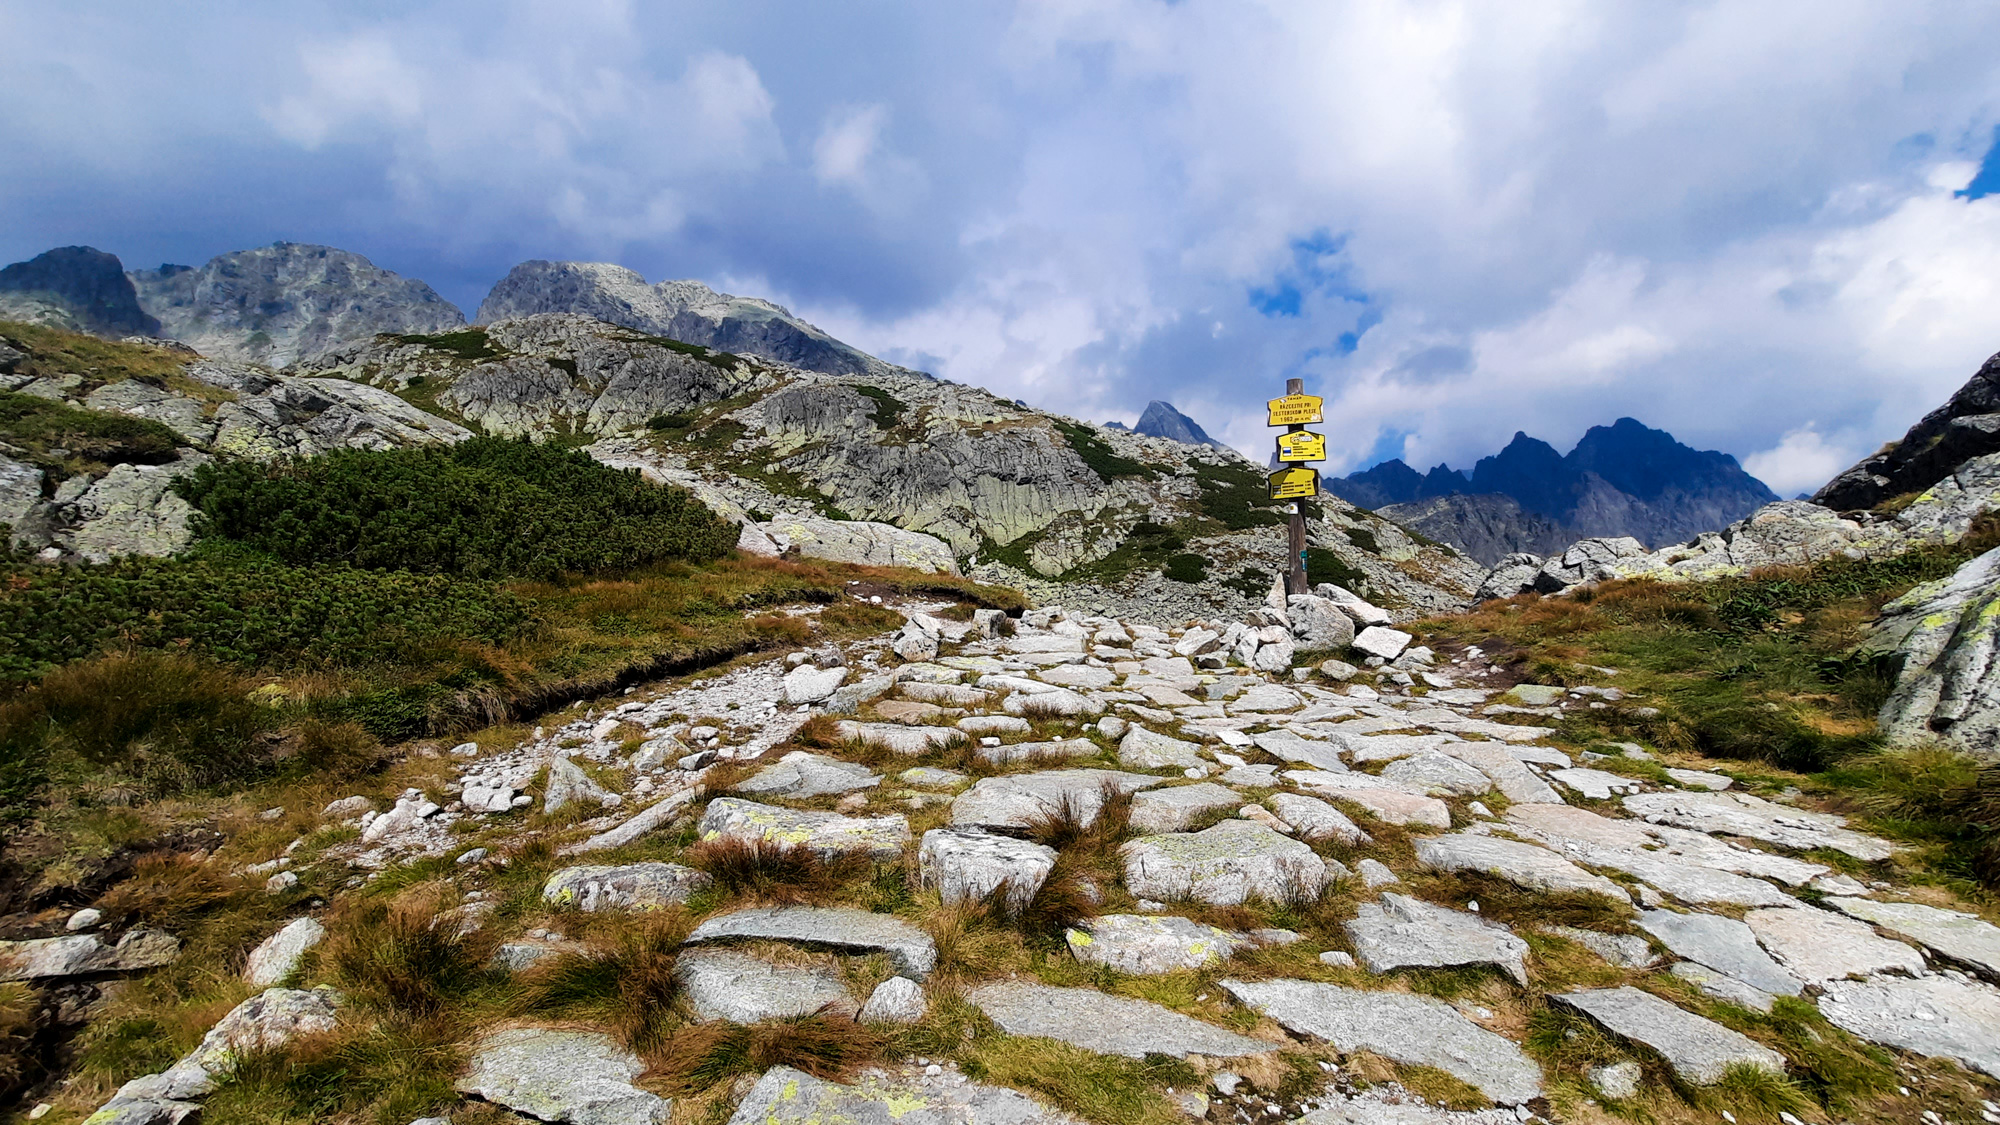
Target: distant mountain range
1621, 479
290, 301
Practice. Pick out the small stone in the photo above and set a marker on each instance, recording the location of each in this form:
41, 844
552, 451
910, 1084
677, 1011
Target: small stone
801, 774
278, 955
1314, 819
807, 684
84, 919
1337, 959
1382, 641
1374, 873
471, 855
1618, 1082
280, 883
1627, 951
897, 1000
561, 1075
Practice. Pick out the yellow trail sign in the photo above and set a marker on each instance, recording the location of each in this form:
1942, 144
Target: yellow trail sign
1295, 410
1301, 445
1295, 483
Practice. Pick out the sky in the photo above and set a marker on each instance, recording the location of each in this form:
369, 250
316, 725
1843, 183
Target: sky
1762, 226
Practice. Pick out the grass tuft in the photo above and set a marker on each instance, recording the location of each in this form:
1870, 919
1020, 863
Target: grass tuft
774, 871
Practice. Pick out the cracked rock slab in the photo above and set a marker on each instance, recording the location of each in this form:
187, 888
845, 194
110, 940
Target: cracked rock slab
784, 1096
1109, 1025
553, 1074
1401, 932
1226, 865
1962, 937
1740, 814
1935, 1016
1524, 865
1146, 944
880, 837
722, 984
1700, 1050
1415, 1030
840, 928
1819, 945
1314, 819
1145, 750
82, 954
1723, 944
1382, 800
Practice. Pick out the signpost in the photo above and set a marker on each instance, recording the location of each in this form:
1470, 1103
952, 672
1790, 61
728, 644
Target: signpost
1295, 482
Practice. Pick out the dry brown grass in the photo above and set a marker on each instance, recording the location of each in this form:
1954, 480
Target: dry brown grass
405, 956
626, 982
825, 1045
776, 872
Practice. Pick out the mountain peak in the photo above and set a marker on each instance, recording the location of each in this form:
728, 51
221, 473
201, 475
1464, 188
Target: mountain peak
79, 284
1162, 420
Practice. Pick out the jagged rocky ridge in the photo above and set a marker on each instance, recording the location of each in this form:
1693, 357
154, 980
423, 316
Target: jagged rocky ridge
78, 288
894, 466
682, 310
1161, 420
1621, 480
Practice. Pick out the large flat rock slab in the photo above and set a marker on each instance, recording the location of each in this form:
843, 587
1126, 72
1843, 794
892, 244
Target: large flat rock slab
1401, 932
1415, 1030
784, 1096
1314, 819
1524, 865
839, 928
897, 738
1700, 1050
1819, 945
1740, 814
1576, 832
829, 834
1019, 800
1510, 776
1230, 863
722, 984
1723, 944
1142, 749
1965, 938
556, 1074
1109, 1025
805, 774
1147, 944
1934, 1016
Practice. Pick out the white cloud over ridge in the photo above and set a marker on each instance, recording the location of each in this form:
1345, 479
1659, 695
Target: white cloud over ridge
1456, 220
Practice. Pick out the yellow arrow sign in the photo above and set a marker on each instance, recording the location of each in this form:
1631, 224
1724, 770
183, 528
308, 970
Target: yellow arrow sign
1294, 410
1295, 483
1301, 445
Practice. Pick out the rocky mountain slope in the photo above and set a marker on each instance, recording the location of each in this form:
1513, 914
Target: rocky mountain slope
681, 310
1290, 896
892, 465
287, 301
1621, 480
78, 288
1965, 427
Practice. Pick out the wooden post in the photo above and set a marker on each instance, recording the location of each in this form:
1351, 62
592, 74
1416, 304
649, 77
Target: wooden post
1295, 575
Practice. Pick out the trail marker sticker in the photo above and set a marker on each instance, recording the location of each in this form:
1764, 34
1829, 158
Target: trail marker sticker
1301, 445
1295, 483
1296, 410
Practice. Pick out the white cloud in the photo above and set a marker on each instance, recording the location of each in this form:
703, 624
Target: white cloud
1800, 462
847, 141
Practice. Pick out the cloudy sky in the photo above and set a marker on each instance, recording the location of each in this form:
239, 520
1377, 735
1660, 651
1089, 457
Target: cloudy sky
1760, 225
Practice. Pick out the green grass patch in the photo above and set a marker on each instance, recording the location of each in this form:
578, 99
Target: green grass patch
64, 441
470, 344
888, 408
1236, 496
1097, 455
